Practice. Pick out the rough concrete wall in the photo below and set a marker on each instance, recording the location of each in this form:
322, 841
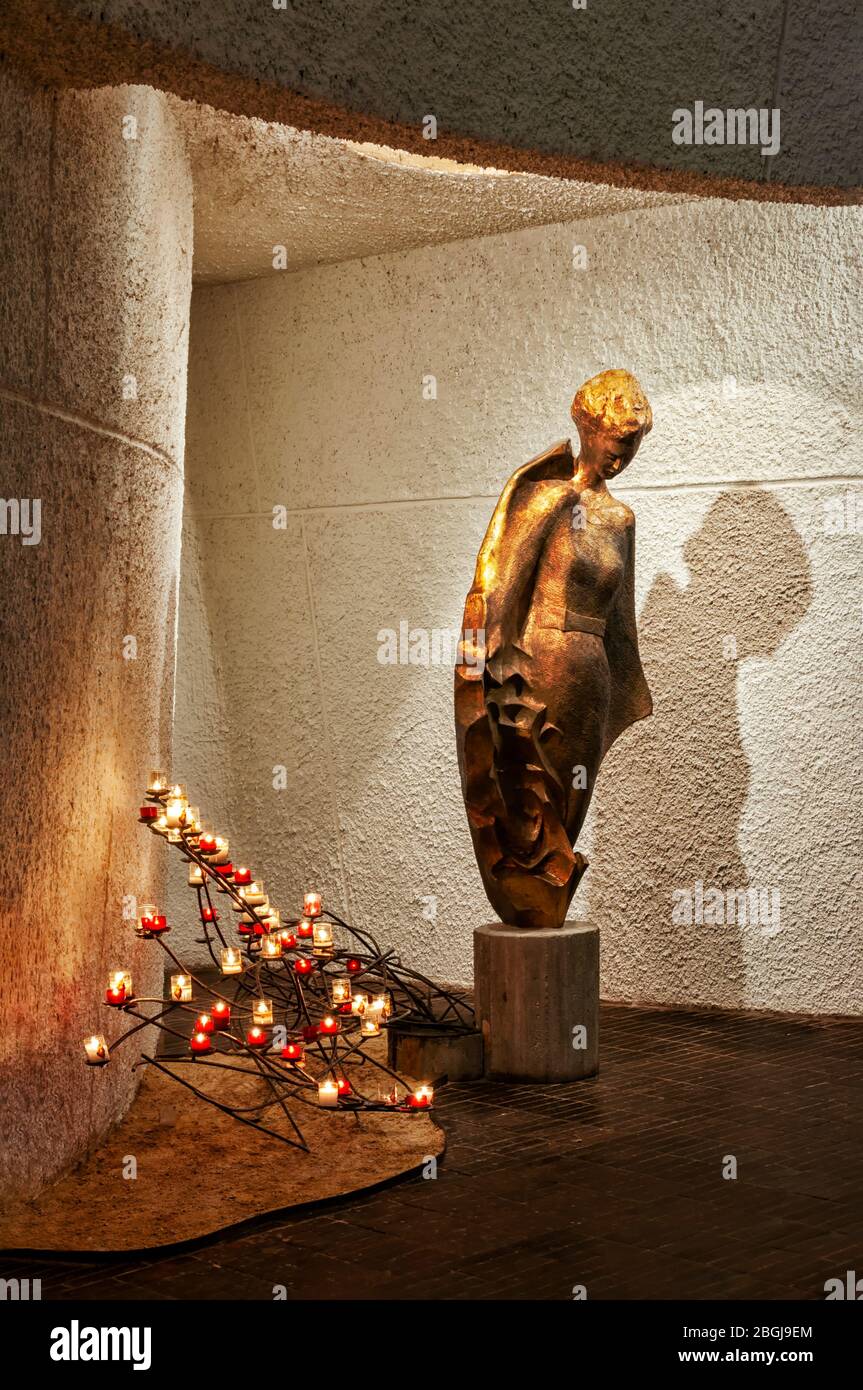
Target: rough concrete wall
96, 282
307, 392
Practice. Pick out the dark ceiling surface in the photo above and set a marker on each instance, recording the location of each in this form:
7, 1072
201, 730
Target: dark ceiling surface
597, 84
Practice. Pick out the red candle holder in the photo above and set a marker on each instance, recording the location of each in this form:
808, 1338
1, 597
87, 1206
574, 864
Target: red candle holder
204, 1023
221, 1014
157, 924
289, 941
312, 905
207, 844
353, 966
328, 1026
344, 1086
209, 914
419, 1100
310, 1032
224, 870
115, 995
305, 931
293, 1052
200, 1043
303, 966
257, 1037
149, 812
242, 876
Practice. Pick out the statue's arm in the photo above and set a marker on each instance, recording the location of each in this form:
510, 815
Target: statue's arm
497, 603
630, 695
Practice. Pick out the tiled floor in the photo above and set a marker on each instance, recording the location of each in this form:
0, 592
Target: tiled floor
615, 1184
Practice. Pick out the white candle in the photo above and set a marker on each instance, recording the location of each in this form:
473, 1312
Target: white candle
328, 1094
232, 961
253, 894
96, 1050
181, 988
340, 989
370, 1027
157, 783
359, 1003
121, 977
322, 936
263, 1011
196, 875
271, 948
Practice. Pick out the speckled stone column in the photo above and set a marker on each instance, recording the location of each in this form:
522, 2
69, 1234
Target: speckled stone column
96, 282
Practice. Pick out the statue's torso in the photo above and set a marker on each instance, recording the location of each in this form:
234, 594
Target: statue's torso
585, 554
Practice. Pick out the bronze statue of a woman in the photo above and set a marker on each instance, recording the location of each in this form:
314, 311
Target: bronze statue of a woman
548, 671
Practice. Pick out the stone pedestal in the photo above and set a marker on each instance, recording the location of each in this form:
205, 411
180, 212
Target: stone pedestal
426, 1055
537, 1001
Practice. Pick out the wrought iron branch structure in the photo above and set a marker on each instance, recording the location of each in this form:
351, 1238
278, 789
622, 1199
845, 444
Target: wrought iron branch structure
303, 1004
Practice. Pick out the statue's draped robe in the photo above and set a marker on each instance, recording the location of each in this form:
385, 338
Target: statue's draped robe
516, 803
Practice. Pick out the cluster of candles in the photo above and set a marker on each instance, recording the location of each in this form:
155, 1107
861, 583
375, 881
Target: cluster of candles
170, 814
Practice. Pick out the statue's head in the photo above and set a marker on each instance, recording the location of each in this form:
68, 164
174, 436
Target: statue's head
612, 416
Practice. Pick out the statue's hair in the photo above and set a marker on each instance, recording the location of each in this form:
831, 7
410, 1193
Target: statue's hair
613, 401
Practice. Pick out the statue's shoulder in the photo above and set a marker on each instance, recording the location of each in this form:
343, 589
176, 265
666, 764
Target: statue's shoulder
540, 475
552, 465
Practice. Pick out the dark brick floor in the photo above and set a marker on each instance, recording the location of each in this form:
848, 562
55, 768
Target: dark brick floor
614, 1183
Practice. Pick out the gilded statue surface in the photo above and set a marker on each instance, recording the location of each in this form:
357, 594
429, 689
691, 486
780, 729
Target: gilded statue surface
548, 671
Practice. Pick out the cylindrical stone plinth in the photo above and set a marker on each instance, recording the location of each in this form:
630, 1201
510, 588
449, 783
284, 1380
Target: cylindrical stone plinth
537, 1001
95, 285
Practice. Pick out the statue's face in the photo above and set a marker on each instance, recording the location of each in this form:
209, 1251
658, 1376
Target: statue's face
607, 454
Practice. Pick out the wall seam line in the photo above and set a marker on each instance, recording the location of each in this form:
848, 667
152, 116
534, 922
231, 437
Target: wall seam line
86, 422
331, 759
719, 484
247, 406
766, 160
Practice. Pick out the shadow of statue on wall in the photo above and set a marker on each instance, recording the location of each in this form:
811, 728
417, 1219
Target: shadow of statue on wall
668, 818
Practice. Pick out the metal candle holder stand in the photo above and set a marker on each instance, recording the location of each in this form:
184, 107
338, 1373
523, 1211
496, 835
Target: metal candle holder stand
300, 1003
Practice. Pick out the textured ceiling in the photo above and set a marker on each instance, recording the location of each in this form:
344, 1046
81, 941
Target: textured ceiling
587, 92
596, 81
260, 186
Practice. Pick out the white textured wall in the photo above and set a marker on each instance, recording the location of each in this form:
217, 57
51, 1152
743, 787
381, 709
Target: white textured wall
305, 391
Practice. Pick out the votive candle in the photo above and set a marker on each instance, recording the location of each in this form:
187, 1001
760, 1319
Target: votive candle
96, 1050
328, 1093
